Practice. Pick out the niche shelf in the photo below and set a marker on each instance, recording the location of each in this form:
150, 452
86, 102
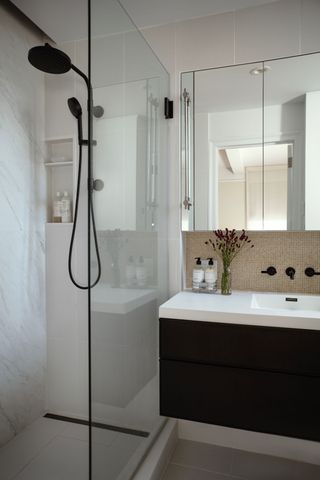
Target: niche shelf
60, 169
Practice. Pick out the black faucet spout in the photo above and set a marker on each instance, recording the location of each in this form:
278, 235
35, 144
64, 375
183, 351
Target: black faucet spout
290, 271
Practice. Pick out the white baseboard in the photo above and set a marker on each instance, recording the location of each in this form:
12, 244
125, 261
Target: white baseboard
286, 447
159, 456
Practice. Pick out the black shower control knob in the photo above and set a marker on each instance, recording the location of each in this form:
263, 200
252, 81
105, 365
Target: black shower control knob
310, 272
270, 271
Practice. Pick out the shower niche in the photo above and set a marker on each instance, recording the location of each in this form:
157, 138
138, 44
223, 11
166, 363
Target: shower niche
60, 169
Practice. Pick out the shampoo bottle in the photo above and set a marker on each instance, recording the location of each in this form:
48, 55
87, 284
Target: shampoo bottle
57, 208
197, 275
65, 208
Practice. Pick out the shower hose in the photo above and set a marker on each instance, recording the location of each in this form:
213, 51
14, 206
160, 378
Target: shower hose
83, 287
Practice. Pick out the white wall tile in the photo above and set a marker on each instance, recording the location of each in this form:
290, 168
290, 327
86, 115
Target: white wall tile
205, 42
268, 31
162, 41
310, 26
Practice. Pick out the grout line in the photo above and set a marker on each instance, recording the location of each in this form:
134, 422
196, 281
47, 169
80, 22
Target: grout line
196, 467
234, 37
300, 29
193, 467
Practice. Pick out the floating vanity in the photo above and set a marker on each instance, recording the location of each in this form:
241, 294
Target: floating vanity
249, 361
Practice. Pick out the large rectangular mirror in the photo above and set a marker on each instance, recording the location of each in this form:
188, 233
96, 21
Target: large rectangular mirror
250, 146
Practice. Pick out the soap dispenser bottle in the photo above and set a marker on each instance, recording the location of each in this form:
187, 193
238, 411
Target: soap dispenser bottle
197, 275
211, 275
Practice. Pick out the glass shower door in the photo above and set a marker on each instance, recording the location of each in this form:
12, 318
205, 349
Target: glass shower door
129, 158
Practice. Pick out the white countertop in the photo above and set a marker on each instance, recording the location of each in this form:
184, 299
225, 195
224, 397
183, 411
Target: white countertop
236, 309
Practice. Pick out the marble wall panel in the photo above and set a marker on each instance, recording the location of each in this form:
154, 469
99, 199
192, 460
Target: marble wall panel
22, 217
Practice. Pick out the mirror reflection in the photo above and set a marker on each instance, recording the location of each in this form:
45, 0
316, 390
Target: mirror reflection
254, 153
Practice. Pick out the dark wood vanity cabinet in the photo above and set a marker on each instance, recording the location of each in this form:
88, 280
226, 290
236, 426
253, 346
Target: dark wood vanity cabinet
265, 379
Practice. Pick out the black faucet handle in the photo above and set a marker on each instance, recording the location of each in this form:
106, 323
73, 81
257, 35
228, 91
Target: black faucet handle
270, 271
310, 272
290, 271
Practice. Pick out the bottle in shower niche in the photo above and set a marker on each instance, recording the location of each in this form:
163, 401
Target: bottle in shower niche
66, 216
141, 273
197, 275
210, 275
130, 272
57, 208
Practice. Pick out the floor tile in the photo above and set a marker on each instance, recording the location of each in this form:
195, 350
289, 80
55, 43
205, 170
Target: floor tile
24, 447
265, 467
178, 472
109, 461
203, 455
63, 459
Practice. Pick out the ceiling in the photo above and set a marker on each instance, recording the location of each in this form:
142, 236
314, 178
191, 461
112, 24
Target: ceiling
65, 20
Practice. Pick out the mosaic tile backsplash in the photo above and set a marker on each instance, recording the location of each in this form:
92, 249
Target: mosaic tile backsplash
279, 249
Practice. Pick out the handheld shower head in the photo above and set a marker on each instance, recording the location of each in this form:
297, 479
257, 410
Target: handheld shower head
76, 110
74, 107
49, 59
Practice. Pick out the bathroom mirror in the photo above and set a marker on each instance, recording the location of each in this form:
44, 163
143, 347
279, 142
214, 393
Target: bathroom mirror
250, 146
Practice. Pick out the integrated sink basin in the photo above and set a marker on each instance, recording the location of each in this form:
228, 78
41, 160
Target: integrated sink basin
284, 310
285, 301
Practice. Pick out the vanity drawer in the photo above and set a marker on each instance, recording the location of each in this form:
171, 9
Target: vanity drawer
245, 346
260, 401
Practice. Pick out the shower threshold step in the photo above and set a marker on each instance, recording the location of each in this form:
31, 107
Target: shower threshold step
104, 426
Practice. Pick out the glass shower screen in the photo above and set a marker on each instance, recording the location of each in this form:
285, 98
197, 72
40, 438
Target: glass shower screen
129, 158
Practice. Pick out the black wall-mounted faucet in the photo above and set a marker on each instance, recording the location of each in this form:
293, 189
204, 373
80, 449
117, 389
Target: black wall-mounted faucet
290, 271
270, 271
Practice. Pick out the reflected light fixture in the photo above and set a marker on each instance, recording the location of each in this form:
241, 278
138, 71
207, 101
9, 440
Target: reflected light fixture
260, 70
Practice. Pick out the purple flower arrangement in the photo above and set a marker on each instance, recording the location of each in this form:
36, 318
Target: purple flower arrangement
227, 244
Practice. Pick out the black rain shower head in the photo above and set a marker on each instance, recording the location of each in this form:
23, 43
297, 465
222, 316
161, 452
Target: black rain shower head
49, 59
74, 107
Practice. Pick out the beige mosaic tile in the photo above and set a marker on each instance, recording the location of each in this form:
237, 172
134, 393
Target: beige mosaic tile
278, 249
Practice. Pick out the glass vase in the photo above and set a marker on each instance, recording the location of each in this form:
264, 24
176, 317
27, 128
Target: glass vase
226, 280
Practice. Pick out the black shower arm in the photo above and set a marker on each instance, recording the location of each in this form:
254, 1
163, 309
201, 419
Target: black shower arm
89, 103
89, 86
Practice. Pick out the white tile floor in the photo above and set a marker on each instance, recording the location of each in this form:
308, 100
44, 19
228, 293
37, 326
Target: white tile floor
54, 450
201, 461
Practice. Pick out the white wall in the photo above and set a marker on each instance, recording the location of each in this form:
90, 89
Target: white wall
232, 213
22, 213
287, 27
